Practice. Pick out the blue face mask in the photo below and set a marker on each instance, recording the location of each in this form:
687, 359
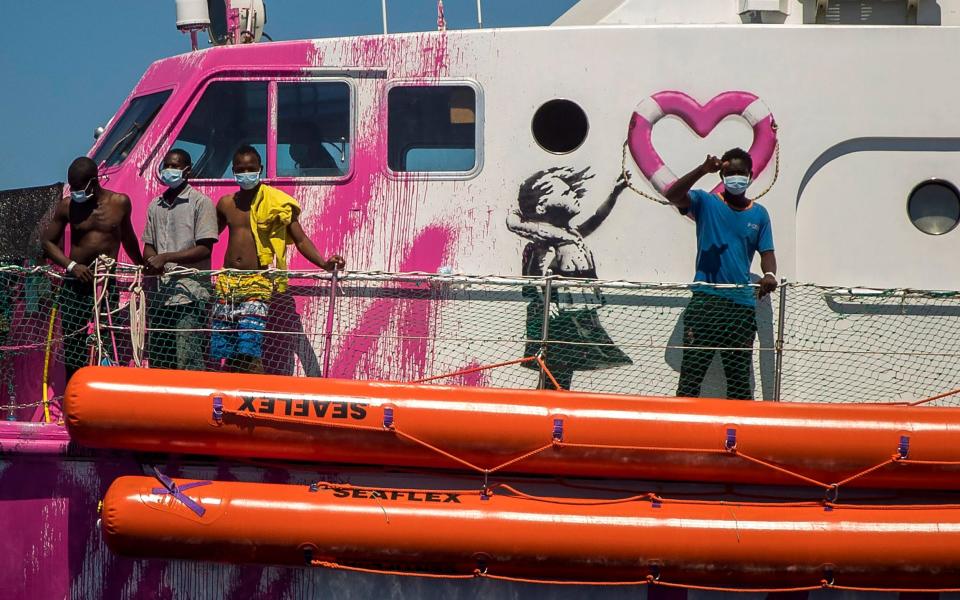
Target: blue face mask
247, 181
171, 177
81, 196
736, 184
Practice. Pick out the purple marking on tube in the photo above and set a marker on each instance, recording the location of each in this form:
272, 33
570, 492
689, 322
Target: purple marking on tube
218, 409
170, 487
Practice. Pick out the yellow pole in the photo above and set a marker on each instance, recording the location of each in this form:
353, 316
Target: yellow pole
46, 366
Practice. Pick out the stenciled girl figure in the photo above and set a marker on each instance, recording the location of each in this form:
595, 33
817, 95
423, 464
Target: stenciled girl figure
547, 203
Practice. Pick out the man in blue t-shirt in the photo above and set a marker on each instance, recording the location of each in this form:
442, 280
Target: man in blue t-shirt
730, 229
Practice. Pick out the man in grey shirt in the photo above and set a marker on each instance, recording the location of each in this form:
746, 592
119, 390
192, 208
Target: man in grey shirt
180, 232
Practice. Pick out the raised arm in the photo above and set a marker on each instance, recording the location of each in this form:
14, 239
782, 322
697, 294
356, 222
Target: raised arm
677, 194
128, 237
309, 251
592, 223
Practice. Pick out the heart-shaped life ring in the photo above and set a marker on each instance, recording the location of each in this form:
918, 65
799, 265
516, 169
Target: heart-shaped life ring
702, 119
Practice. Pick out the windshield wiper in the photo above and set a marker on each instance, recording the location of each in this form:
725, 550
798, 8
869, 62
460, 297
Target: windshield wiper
135, 128
131, 135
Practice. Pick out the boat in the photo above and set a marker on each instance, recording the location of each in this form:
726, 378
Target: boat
426, 139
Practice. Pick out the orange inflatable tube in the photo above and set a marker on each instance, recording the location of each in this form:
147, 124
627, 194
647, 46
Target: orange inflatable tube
456, 532
519, 431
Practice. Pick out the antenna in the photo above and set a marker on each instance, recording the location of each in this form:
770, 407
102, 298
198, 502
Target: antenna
479, 14
236, 21
383, 4
192, 16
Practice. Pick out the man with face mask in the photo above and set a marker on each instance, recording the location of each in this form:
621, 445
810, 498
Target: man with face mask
731, 228
99, 221
262, 221
181, 230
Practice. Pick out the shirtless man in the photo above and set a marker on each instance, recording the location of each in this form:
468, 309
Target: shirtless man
240, 315
99, 221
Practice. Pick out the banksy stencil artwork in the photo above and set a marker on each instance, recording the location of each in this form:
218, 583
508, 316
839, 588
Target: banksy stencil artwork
548, 202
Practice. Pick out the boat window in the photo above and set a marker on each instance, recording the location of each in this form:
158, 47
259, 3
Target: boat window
313, 129
432, 128
560, 126
934, 206
125, 134
229, 115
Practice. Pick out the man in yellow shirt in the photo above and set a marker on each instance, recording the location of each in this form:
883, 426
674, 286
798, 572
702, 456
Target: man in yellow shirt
262, 221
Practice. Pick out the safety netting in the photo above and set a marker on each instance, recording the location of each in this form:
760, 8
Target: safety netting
803, 342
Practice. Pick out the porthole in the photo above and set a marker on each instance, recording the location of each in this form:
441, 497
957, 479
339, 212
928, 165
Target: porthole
934, 206
560, 126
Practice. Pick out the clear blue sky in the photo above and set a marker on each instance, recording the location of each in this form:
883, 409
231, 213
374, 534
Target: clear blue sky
67, 65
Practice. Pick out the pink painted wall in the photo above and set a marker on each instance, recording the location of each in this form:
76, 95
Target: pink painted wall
372, 219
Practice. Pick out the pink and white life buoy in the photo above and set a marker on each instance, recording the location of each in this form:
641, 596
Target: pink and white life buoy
702, 119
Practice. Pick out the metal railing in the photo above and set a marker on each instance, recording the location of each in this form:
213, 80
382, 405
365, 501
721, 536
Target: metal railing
812, 343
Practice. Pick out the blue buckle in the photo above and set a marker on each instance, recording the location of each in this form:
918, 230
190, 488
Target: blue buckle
558, 430
731, 443
903, 449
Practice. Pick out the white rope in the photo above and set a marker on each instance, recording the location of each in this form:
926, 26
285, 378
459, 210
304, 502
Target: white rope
100, 292
138, 317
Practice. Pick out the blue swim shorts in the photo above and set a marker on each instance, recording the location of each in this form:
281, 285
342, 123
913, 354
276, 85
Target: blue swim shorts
238, 329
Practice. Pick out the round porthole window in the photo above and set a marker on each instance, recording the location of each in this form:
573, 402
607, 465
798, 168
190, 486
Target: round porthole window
934, 206
560, 126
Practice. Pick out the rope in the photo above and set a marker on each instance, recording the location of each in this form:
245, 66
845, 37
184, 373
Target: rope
467, 463
783, 470
327, 485
138, 317
19, 405
100, 292
832, 489
546, 371
538, 358
642, 448
940, 463
475, 369
649, 580
932, 398
649, 496
867, 471
639, 497
628, 178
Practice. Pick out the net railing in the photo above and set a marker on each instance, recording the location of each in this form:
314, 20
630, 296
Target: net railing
802, 343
